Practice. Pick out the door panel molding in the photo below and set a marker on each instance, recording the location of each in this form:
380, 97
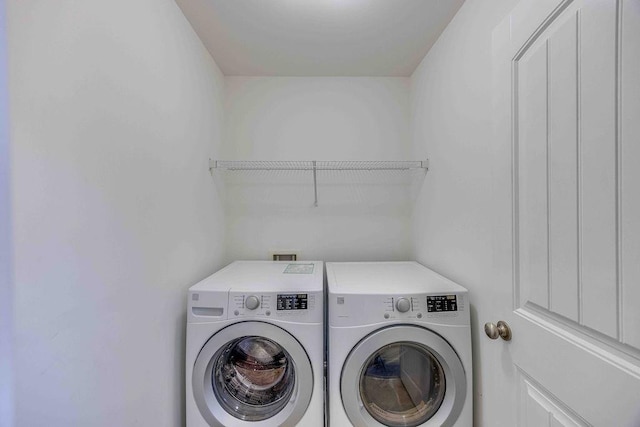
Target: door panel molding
525, 35
629, 172
593, 382
567, 193
539, 407
622, 357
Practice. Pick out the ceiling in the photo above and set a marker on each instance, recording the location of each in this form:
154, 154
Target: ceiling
319, 37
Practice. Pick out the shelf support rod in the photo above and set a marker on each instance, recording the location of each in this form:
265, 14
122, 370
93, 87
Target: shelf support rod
315, 185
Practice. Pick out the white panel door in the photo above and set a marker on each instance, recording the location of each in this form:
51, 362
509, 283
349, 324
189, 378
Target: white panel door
567, 218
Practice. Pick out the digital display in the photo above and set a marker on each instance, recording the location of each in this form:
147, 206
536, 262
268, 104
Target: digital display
293, 302
439, 303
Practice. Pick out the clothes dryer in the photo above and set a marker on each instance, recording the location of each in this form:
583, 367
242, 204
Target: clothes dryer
399, 347
254, 354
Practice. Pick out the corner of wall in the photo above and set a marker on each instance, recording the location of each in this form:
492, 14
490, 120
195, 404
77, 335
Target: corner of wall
6, 245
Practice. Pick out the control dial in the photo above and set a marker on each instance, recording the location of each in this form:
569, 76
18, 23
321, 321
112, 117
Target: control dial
252, 302
403, 305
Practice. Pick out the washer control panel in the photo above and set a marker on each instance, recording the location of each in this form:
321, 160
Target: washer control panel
403, 305
293, 301
250, 304
275, 305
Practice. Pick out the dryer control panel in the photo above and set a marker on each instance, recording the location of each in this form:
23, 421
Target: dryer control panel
442, 303
348, 309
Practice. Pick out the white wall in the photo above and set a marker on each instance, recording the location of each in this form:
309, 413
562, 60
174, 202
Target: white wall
451, 108
360, 216
6, 259
115, 109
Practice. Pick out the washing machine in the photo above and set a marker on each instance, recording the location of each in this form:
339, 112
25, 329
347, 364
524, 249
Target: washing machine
254, 351
399, 346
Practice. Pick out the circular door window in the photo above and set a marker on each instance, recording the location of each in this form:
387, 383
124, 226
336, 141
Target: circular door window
403, 376
253, 378
252, 374
402, 384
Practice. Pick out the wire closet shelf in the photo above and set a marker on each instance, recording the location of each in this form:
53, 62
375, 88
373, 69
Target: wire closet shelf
310, 165
318, 165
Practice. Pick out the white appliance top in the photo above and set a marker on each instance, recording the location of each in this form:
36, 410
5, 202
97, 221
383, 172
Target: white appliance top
386, 278
264, 276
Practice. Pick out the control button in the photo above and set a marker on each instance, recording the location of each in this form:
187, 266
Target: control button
419, 315
268, 313
236, 312
403, 305
386, 315
252, 302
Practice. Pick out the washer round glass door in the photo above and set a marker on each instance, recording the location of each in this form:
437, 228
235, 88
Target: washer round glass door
253, 378
254, 373
403, 376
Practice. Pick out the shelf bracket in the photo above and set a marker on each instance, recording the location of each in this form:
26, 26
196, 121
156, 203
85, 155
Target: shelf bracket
315, 185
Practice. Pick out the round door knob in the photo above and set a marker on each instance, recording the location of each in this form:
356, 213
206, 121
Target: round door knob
403, 305
252, 302
501, 330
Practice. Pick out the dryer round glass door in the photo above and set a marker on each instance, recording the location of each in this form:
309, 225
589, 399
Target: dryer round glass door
403, 376
402, 384
254, 373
